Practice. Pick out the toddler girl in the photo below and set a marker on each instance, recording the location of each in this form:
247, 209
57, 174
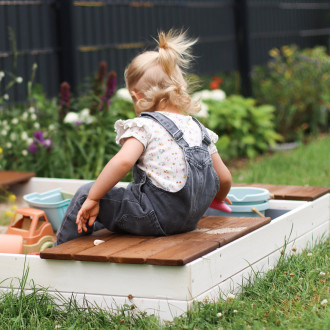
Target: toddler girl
176, 167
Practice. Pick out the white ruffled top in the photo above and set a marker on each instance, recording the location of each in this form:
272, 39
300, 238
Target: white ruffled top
163, 160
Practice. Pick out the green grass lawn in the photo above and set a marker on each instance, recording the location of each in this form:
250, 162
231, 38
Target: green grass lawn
293, 295
307, 165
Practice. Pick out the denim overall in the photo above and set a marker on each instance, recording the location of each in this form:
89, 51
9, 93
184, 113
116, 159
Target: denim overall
144, 209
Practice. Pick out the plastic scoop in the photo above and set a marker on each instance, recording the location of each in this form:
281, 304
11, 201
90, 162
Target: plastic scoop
221, 206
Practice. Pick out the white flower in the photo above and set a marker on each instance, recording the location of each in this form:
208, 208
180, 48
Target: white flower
29, 141
322, 273
202, 95
5, 122
204, 110
309, 254
14, 121
85, 116
36, 125
33, 116
4, 132
124, 94
235, 311
6, 97
19, 80
24, 136
219, 314
9, 145
230, 296
13, 136
2, 74
216, 94
32, 110
71, 118
34, 66
270, 268
51, 127
324, 302
25, 115
47, 142
24, 153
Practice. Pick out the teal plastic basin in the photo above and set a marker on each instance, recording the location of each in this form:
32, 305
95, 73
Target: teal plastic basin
244, 199
52, 202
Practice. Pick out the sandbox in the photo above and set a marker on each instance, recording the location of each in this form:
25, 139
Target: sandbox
168, 291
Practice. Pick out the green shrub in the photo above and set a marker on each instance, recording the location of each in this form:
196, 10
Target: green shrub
297, 83
230, 82
244, 129
66, 137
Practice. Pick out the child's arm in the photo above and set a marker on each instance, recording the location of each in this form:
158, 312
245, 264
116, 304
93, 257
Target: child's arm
224, 177
111, 174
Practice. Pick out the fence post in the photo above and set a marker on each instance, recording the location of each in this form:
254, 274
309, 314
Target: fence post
243, 49
67, 58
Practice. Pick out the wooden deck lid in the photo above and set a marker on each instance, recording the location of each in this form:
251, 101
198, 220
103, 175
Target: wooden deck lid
8, 178
175, 250
298, 193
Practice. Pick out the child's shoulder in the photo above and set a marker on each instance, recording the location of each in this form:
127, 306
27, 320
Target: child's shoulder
135, 123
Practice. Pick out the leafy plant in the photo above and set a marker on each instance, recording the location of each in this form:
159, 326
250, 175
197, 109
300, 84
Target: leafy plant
297, 83
61, 137
229, 82
244, 129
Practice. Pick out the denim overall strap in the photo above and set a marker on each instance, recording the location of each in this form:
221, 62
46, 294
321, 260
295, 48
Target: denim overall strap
169, 125
205, 136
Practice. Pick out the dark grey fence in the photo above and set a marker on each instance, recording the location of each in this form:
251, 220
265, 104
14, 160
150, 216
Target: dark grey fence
67, 39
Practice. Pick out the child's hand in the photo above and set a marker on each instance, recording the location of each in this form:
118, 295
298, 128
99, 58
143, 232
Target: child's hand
88, 212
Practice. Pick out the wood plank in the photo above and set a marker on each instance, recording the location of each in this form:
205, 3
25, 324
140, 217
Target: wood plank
67, 250
226, 229
182, 253
299, 193
138, 254
121, 248
8, 178
104, 251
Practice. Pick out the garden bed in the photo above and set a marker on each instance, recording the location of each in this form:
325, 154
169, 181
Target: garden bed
168, 291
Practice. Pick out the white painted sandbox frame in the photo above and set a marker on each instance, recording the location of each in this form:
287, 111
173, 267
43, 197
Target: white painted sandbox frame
168, 291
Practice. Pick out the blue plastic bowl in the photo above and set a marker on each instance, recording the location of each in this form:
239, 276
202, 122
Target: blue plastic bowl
245, 199
248, 195
52, 202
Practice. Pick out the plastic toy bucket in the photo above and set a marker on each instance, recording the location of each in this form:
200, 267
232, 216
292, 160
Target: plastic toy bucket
247, 202
52, 202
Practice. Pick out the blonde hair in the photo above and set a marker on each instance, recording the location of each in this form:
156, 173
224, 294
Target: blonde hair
160, 75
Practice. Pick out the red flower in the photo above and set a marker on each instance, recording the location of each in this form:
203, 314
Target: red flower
214, 85
218, 80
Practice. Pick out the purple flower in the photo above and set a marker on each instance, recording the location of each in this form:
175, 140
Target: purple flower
48, 144
109, 92
33, 148
99, 78
38, 136
111, 85
65, 101
38, 140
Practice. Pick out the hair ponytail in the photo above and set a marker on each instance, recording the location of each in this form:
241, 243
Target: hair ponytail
174, 49
160, 75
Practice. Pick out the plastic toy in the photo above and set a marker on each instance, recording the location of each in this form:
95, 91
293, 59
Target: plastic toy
247, 202
54, 202
29, 232
221, 206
